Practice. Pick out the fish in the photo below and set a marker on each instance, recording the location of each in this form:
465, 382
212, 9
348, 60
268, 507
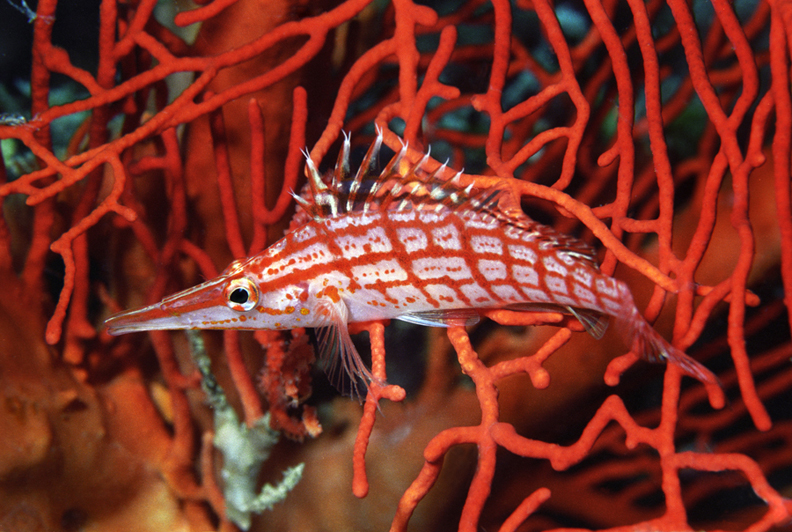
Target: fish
409, 245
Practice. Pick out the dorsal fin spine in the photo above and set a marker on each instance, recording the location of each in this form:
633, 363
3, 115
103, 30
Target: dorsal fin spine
394, 162
314, 179
369, 158
341, 172
343, 157
414, 170
307, 205
364, 171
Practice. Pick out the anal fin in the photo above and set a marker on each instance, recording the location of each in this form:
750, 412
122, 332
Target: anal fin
442, 318
594, 322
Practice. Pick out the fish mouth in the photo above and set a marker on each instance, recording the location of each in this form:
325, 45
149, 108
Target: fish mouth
148, 318
187, 309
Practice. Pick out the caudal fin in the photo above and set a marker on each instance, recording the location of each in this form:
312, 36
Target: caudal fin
649, 345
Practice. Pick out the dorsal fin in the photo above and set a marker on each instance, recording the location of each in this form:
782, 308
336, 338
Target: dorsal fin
394, 188
399, 188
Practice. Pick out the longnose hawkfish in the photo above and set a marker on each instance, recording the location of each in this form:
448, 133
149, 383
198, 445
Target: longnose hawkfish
408, 245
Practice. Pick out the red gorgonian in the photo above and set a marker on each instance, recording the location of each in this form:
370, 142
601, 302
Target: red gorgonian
659, 132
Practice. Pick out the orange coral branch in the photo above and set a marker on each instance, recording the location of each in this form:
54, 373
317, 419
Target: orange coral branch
642, 127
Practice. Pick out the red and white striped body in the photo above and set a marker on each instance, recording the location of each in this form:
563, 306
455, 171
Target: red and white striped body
410, 248
388, 264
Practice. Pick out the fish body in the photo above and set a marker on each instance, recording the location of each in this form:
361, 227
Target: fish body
405, 245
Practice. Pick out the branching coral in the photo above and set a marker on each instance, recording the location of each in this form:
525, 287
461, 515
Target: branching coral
659, 132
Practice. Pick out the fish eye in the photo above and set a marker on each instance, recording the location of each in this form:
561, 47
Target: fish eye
241, 294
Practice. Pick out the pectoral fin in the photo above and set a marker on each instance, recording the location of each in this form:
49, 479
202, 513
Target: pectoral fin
337, 352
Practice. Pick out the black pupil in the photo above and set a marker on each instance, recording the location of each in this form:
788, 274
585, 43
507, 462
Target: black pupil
239, 296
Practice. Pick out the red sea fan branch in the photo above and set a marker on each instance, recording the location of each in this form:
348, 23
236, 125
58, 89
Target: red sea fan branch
659, 132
